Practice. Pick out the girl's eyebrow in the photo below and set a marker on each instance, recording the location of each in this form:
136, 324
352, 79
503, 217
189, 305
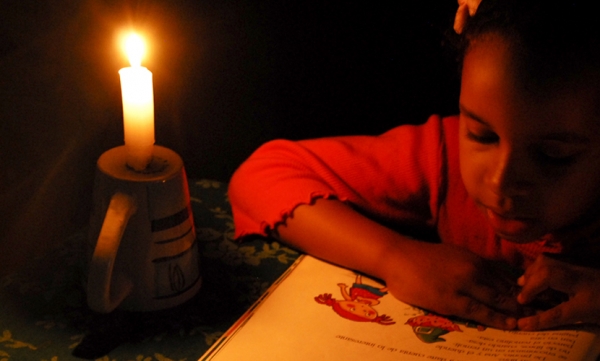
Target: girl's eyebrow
566, 137
473, 116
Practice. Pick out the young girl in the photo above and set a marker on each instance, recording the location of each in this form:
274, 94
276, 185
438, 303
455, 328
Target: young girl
514, 179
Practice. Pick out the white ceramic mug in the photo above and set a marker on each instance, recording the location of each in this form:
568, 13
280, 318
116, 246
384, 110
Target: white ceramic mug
142, 253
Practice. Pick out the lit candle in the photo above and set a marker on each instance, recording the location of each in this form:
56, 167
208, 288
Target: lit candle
138, 106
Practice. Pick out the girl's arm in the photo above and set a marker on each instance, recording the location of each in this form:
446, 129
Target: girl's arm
395, 176
438, 277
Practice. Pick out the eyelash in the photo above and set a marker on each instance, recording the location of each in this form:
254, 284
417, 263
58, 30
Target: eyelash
488, 138
556, 161
541, 156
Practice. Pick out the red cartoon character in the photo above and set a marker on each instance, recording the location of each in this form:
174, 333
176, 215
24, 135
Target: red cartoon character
358, 304
430, 327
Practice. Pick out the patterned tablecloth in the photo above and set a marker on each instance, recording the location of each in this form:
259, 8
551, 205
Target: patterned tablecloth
43, 315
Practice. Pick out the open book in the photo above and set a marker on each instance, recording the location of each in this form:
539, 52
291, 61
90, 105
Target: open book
318, 311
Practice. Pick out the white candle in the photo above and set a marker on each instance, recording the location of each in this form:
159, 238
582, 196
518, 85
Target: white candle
138, 106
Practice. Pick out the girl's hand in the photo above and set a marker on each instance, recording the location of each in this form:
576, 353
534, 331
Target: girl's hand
580, 284
453, 281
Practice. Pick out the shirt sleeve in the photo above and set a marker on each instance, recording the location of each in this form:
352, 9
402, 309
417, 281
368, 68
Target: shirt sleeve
394, 177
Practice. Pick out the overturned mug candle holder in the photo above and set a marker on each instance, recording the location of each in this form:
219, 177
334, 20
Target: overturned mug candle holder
142, 253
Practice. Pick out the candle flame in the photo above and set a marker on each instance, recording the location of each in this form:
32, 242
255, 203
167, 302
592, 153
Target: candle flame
135, 48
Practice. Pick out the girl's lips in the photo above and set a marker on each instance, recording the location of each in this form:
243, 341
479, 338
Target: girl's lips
509, 227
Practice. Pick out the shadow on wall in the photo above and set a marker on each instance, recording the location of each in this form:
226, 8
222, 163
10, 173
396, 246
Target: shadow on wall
228, 76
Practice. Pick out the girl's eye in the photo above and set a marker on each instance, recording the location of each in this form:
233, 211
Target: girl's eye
483, 138
556, 154
555, 161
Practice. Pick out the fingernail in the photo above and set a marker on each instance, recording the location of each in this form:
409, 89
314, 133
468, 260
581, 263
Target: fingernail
511, 323
525, 325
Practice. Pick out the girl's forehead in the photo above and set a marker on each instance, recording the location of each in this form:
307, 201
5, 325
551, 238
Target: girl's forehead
492, 54
493, 90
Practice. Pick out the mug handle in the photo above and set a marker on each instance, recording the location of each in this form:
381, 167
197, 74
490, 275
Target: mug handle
101, 296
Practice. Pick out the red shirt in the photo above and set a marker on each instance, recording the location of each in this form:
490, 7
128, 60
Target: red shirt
406, 177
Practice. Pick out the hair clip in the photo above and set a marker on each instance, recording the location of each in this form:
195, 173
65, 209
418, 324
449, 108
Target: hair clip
466, 9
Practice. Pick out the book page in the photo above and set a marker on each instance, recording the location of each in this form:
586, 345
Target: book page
320, 311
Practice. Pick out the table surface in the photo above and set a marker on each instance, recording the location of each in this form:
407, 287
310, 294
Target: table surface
43, 315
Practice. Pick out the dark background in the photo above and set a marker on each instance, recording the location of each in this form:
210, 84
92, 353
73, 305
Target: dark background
228, 76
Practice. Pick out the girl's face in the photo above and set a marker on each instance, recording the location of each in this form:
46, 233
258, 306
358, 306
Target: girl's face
530, 161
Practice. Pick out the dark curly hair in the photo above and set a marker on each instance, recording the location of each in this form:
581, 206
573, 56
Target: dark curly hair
551, 41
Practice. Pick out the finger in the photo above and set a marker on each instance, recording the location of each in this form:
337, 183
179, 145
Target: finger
531, 289
533, 282
501, 300
461, 17
551, 276
472, 309
563, 314
473, 5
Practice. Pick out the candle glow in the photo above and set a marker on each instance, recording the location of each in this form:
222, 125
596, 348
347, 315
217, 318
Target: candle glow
138, 106
135, 48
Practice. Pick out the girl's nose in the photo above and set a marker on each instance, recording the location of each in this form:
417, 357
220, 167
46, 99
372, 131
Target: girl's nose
508, 174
